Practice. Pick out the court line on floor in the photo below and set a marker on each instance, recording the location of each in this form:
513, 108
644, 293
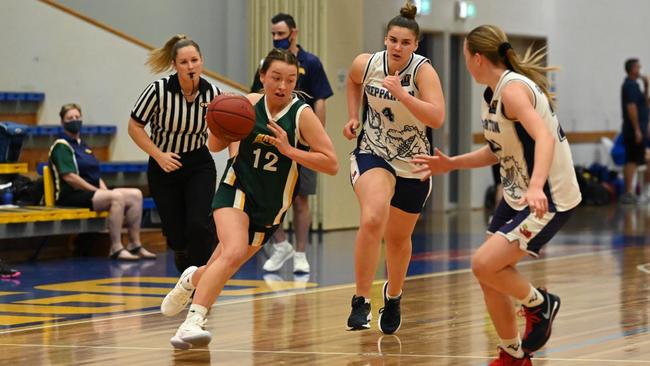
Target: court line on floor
316, 353
293, 293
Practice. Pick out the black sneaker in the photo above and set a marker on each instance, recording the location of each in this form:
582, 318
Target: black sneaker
539, 320
390, 316
6, 272
360, 316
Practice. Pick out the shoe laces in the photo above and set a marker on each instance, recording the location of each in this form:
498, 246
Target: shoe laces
391, 304
531, 318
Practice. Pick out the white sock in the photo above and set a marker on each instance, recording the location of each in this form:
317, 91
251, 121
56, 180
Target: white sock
187, 282
300, 254
281, 244
513, 347
390, 297
196, 309
533, 299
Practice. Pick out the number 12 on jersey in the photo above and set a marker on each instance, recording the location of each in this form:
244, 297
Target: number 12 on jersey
270, 157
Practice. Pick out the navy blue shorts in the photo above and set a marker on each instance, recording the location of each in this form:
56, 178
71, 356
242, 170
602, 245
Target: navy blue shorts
410, 193
531, 231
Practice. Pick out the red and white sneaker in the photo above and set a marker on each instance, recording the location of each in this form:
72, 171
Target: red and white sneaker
505, 359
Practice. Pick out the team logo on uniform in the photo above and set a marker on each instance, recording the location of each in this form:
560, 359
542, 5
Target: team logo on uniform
301, 71
262, 139
406, 80
493, 106
523, 229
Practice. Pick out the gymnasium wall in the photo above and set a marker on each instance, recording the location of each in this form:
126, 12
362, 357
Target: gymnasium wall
220, 27
47, 50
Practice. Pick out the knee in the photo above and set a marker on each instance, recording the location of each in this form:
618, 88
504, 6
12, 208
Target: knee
234, 257
481, 267
373, 221
117, 198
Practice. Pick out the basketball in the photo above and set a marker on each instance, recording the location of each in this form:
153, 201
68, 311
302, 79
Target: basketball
230, 117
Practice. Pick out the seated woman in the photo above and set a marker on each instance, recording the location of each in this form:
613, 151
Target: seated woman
77, 184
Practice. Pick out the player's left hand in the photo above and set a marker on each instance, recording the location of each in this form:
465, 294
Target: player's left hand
536, 200
280, 141
394, 85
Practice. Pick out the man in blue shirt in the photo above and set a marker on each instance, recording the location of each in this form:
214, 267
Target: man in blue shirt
634, 104
315, 88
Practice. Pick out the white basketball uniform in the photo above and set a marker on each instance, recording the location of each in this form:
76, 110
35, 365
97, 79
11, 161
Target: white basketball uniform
515, 149
390, 131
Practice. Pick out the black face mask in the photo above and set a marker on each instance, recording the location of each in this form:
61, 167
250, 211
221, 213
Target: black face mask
73, 126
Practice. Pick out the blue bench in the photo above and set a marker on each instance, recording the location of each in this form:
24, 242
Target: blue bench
21, 97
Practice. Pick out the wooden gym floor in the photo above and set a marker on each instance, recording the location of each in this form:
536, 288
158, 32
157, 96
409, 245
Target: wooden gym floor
90, 311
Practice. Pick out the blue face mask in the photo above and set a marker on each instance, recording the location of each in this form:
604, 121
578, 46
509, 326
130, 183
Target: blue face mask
282, 43
73, 126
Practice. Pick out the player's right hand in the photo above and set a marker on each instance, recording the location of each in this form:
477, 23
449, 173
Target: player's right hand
439, 163
350, 129
168, 161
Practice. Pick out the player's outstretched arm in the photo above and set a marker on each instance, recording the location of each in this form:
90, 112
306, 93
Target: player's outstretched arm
439, 163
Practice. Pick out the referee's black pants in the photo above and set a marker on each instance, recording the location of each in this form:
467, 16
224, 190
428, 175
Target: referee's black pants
184, 201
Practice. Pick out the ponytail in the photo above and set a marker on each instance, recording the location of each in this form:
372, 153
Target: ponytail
161, 59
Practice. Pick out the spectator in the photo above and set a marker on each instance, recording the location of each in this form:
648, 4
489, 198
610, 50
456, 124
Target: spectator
77, 184
634, 104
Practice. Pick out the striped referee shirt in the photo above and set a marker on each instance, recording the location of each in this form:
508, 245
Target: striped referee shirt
176, 125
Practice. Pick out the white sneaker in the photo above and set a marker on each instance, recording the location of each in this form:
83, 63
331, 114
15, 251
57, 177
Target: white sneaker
176, 300
191, 333
300, 264
281, 253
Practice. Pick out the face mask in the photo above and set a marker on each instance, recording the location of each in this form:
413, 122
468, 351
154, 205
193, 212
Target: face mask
282, 43
73, 126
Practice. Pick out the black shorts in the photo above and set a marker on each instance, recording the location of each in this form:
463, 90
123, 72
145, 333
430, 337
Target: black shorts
410, 193
76, 198
634, 152
229, 196
531, 232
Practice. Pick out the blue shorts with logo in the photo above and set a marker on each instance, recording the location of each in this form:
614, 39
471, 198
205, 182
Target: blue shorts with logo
410, 193
531, 232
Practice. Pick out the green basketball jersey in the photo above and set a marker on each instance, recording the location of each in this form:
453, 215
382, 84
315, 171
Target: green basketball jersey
261, 172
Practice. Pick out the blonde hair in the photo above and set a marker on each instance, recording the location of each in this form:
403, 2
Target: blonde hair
491, 42
161, 59
68, 107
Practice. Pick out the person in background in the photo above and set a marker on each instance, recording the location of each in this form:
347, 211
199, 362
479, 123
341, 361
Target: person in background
181, 173
634, 103
77, 184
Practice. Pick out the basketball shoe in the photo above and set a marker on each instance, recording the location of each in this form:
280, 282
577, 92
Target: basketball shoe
390, 316
7, 272
179, 296
539, 320
191, 333
360, 315
281, 253
505, 359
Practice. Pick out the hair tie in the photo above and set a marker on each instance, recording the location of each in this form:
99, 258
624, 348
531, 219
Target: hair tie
503, 49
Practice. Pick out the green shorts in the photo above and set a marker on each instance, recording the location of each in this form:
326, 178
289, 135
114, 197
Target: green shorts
229, 196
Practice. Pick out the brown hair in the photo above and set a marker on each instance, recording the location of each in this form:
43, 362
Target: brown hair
161, 59
68, 107
491, 42
406, 19
277, 54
